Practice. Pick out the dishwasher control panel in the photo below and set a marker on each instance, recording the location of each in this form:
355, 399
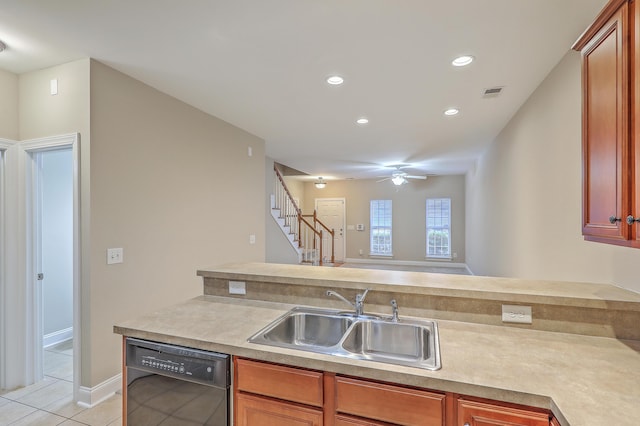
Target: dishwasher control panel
175, 361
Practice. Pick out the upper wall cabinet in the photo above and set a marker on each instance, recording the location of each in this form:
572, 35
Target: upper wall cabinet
611, 125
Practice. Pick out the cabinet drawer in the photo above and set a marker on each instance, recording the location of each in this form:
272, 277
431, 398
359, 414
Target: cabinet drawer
353, 421
480, 413
389, 403
281, 382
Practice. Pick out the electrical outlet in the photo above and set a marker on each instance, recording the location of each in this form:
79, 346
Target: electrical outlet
252, 239
115, 255
516, 313
237, 287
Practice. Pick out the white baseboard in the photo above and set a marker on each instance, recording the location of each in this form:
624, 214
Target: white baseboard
90, 397
57, 337
378, 261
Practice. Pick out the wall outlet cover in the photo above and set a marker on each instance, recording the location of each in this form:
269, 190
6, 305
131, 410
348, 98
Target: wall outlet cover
237, 287
516, 314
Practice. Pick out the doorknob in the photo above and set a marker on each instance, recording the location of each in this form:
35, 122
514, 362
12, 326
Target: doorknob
40, 276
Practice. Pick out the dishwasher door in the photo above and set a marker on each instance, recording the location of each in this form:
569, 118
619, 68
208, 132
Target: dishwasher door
173, 385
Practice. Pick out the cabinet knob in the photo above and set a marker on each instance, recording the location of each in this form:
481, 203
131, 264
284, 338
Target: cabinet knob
631, 220
466, 424
613, 219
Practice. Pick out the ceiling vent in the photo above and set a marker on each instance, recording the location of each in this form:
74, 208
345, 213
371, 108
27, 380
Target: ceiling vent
492, 92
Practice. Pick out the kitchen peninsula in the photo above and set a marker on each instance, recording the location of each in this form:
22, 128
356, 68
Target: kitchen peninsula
579, 359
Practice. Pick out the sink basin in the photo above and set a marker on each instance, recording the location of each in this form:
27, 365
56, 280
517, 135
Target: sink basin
407, 342
304, 328
403, 343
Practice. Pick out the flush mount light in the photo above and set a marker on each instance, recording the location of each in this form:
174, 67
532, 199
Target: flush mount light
362, 120
320, 184
335, 80
451, 111
2, 46
462, 61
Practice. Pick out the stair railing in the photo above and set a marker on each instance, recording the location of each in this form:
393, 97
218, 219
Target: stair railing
308, 236
319, 225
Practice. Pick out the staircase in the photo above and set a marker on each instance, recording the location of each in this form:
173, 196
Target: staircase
304, 232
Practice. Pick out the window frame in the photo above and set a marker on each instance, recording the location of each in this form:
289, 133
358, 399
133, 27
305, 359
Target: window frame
387, 209
445, 225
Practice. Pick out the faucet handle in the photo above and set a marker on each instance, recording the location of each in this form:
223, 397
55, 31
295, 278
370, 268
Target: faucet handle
360, 297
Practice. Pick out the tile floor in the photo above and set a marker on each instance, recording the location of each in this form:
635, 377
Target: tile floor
50, 401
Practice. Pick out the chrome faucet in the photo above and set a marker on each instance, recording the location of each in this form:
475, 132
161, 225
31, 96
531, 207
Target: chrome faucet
394, 306
358, 305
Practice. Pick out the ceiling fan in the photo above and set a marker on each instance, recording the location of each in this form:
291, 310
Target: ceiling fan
398, 177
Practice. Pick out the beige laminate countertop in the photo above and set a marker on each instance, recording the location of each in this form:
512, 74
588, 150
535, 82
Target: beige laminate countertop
584, 380
563, 293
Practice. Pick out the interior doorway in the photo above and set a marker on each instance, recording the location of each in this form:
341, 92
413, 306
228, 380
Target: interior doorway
52, 281
331, 211
54, 223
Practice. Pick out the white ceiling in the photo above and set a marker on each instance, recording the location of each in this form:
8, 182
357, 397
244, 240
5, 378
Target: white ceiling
261, 65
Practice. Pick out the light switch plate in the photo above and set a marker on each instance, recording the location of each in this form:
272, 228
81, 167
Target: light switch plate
517, 314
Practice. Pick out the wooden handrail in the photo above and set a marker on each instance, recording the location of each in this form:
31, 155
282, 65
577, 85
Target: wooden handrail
330, 231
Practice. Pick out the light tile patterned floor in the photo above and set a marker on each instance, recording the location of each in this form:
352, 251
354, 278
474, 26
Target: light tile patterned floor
50, 401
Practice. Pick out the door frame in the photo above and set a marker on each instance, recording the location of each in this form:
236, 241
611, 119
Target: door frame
344, 220
7, 268
32, 317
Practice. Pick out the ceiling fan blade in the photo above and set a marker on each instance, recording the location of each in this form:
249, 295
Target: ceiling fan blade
382, 180
416, 177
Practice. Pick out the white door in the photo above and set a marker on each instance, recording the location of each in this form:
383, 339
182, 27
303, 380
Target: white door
331, 211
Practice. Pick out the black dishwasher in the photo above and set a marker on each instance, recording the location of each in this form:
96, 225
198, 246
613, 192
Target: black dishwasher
173, 386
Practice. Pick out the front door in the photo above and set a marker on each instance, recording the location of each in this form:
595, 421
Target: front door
331, 212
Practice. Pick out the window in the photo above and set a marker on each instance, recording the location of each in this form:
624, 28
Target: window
381, 227
439, 227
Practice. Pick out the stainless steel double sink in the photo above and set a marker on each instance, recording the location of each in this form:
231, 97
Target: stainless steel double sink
408, 342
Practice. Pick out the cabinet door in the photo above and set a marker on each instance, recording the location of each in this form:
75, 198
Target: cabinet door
258, 411
605, 131
473, 413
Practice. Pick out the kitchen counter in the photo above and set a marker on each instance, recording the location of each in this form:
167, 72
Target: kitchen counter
585, 380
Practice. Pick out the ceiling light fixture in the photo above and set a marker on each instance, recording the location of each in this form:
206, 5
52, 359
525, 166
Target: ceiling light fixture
451, 112
335, 80
320, 184
462, 61
362, 120
2, 46
398, 180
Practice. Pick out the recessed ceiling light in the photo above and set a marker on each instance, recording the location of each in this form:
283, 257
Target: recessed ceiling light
461, 61
451, 111
335, 80
362, 120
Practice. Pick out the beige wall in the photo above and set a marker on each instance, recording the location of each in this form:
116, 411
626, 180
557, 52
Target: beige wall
409, 202
176, 189
8, 105
524, 196
43, 114
173, 186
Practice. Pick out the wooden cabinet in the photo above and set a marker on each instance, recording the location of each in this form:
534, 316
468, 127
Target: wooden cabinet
388, 403
253, 411
611, 125
475, 413
275, 395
